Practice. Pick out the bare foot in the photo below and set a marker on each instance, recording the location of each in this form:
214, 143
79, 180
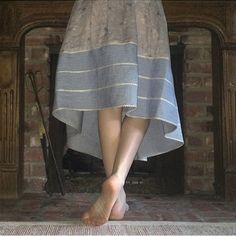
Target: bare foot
120, 207
100, 211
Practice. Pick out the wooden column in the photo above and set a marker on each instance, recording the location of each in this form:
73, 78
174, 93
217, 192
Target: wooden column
10, 161
230, 121
229, 104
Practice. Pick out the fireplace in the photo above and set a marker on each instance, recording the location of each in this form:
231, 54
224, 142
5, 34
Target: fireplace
189, 169
163, 174
217, 96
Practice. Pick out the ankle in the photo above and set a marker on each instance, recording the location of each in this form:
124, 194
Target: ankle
120, 179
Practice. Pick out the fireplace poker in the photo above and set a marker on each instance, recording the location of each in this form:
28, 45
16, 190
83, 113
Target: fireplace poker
44, 145
31, 76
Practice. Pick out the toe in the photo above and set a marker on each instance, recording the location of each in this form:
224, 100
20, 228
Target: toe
88, 221
85, 215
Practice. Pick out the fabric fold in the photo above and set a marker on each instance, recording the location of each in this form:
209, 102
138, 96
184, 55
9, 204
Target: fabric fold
117, 68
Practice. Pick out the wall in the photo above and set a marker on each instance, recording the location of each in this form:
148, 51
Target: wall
197, 106
37, 59
197, 87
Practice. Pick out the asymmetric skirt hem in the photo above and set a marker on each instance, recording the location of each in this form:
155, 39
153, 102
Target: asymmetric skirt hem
117, 55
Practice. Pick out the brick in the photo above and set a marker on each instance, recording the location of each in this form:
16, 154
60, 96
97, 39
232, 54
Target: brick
37, 169
45, 81
26, 169
198, 97
191, 155
209, 139
209, 169
187, 188
36, 59
199, 126
44, 97
45, 110
192, 82
201, 140
35, 141
207, 54
34, 111
207, 82
31, 154
209, 126
29, 96
31, 125
31, 41
200, 185
199, 155
211, 156
210, 111
194, 169
197, 31
54, 39
194, 111
26, 127
27, 54
196, 39
42, 67
193, 185
34, 185
193, 53
26, 140
39, 32
40, 53
196, 141
45, 32
197, 67
173, 39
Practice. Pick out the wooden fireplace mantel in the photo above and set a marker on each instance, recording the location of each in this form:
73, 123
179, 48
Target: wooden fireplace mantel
19, 17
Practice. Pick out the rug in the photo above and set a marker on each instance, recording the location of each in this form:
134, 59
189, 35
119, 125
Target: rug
117, 228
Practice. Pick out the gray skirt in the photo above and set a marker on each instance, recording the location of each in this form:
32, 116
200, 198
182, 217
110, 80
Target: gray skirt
116, 54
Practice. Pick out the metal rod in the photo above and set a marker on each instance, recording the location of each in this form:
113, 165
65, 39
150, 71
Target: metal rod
34, 86
45, 155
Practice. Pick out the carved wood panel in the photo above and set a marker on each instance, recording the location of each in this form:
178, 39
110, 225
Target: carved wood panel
231, 19
8, 124
230, 118
230, 191
8, 20
7, 108
8, 183
230, 106
230, 68
230, 161
18, 16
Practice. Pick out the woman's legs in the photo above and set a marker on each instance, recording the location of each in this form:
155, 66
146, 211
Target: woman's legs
131, 134
133, 131
109, 124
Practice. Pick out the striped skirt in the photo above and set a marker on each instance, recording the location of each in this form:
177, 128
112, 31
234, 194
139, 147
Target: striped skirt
116, 54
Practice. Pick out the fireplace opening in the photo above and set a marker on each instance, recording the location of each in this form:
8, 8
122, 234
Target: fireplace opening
189, 169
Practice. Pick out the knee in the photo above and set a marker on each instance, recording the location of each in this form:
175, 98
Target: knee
111, 112
138, 122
